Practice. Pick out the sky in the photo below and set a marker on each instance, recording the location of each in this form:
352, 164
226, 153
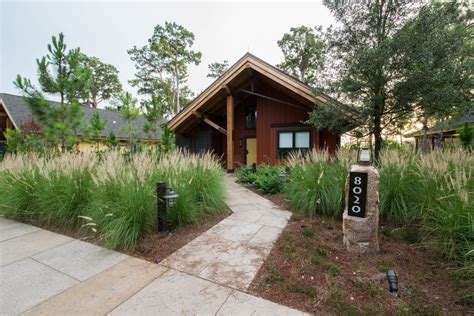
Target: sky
107, 29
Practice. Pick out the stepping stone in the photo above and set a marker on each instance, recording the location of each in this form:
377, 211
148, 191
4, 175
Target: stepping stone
27, 245
244, 304
104, 292
79, 259
7, 223
265, 237
233, 230
236, 267
273, 221
198, 254
13, 231
26, 283
176, 293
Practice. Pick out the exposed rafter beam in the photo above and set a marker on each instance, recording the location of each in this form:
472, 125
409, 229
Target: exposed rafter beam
206, 120
274, 99
216, 126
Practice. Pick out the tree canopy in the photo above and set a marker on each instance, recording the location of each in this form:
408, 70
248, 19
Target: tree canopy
60, 73
162, 66
216, 69
103, 82
377, 66
303, 53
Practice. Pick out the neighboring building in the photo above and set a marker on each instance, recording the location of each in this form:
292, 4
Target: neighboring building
449, 130
253, 113
15, 113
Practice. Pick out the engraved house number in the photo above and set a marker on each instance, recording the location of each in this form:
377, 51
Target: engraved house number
357, 194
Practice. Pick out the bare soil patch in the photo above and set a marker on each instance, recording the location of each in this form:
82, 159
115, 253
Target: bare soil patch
310, 270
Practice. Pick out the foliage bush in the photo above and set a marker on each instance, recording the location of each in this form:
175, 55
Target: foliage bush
266, 178
109, 195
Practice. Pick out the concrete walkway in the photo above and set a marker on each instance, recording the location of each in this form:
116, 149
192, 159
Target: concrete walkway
43, 273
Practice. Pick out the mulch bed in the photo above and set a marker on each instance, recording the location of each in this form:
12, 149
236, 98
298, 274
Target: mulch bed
156, 247
309, 269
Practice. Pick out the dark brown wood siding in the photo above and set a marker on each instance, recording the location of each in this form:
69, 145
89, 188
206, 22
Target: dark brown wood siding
273, 116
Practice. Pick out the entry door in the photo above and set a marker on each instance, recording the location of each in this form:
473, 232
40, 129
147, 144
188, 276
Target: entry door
251, 151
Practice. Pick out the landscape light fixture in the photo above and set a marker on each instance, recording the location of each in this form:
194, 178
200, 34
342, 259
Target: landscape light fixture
364, 156
165, 198
392, 282
170, 197
282, 175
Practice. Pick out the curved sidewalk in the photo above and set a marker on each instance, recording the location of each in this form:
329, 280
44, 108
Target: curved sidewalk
43, 273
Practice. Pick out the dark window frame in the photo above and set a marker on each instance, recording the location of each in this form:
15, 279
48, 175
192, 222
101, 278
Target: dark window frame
254, 107
282, 153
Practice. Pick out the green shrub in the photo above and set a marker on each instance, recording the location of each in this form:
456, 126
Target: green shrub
266, 178
245, 174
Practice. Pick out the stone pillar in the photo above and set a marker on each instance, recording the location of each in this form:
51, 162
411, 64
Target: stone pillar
360, 220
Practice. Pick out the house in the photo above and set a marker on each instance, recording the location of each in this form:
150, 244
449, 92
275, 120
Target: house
254, 113
15, 113
448, 129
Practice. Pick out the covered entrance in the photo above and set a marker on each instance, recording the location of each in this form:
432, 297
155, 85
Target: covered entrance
241, 116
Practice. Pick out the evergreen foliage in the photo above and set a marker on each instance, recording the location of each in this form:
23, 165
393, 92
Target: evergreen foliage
303, 53
162, 66
216, 69
60, 73
103, 83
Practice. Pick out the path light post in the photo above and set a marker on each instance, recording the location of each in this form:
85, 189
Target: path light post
360, 220
282, 175
166, 198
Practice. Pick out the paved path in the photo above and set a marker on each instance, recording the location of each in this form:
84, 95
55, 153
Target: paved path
43, 273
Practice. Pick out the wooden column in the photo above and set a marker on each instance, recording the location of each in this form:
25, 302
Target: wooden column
230, 133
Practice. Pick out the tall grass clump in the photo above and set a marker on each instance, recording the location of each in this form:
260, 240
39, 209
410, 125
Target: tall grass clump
111, 196
48, 191
316, 183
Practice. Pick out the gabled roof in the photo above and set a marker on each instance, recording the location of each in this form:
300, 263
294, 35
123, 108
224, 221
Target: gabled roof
19, 112
249, 61
453, 124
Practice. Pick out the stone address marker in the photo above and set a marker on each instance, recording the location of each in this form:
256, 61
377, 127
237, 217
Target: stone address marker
360, 220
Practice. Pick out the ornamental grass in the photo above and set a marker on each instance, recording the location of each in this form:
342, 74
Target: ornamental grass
111, 196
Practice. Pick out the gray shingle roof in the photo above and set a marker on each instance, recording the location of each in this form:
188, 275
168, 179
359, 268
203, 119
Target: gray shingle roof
20, 112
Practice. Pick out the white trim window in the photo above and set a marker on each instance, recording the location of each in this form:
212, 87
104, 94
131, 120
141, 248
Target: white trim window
294, 140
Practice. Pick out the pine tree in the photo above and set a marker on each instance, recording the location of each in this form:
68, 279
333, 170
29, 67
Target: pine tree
96, 126
129, 112
59, 73
216, 69
162, 65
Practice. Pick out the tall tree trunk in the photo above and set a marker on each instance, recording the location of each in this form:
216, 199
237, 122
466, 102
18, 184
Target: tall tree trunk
377, 142
425, 146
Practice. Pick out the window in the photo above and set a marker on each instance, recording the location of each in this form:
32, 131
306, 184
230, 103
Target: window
289, 141
250, 117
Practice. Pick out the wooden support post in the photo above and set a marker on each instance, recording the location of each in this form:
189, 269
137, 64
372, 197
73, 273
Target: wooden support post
230, 133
